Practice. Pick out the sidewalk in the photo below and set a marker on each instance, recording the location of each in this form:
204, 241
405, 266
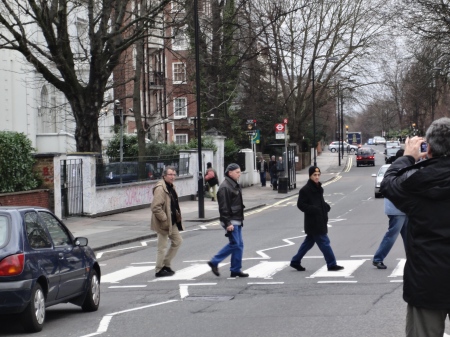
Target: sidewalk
117, 229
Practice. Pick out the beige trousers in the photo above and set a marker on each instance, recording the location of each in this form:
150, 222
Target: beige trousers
164, 258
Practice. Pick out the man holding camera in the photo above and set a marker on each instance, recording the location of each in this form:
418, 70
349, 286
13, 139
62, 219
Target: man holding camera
421, 189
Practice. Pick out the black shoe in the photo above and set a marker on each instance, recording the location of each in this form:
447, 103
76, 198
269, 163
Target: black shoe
168, 269
297, 266
214, 269
335, 268
238, 274
379, 265
164, 273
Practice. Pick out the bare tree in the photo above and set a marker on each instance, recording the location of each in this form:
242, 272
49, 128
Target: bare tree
79, 63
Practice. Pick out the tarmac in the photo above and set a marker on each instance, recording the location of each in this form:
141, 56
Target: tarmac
117, 229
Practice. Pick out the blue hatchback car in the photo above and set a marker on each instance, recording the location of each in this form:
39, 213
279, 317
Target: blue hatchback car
42, 264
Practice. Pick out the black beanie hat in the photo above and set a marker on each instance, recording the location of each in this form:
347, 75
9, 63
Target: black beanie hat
231, 167
313, 169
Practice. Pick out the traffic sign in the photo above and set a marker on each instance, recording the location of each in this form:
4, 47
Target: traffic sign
279, 127
285, 120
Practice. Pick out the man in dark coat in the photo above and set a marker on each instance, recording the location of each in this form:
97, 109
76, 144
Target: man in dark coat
421, 189
231, 210
311, 202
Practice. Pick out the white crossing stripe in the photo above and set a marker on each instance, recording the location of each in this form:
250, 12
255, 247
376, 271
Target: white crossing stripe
349, 267
189, 273
398, 271
266, 269
122, 274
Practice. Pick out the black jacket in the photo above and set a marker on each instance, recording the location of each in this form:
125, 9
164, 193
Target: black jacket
229, 197
422, 191
265, 167
311, 202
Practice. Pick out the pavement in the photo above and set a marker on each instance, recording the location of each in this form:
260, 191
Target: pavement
122, 228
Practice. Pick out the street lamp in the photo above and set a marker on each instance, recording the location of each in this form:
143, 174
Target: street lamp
201, 201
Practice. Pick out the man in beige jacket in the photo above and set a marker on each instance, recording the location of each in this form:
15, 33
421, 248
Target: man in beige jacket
166, 221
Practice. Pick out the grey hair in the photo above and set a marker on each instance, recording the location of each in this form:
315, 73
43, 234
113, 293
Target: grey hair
168, 167
438, 136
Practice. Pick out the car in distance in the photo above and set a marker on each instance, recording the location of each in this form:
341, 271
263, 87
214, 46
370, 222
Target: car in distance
334, 147
392, 144
378, 178
365, 156
43, 264
379, 140
370, 141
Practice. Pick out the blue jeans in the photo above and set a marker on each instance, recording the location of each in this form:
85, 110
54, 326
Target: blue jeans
262, 176
235, 247
323, 242
397, 224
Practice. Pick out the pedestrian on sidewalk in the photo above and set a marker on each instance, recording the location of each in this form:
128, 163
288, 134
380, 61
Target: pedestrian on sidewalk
262, 168
231, 210
272, 163
274, 174
212, 180
397, 224
166, 221
313, 205
421, 189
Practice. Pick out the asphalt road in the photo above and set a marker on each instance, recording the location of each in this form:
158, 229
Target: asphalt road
275, 300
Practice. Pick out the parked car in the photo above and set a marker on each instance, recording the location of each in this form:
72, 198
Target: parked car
334, 146
43, 264
378, 178
370, 141
365, 156
129, 172
392, 143
379, 140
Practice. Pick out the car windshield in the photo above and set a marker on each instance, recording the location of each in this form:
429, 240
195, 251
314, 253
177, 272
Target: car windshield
4, 230
382, 171
364, 151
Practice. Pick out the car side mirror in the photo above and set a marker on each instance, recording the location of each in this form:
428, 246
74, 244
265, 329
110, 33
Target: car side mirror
82, 242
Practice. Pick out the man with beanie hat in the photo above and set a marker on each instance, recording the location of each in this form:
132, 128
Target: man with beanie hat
313, 205
231, 210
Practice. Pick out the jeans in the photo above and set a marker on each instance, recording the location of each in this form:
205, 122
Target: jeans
262, 176
397, 224
323, 242
235, 247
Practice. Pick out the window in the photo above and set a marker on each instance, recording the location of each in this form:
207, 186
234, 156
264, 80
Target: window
57, 232
181, 139
179, 107
4, 231
180, 40
37, 236
179, 73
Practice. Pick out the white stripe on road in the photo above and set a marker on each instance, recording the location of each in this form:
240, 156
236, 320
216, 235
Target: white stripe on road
122, 274
349, 267
189, 273
398, 271
184, 288
266, 269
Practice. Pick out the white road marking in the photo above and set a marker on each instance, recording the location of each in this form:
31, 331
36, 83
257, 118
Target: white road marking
143, 262
398, 271
349, 267
184, 288
337, 281
122, 274
189, 273
100, 254
264, 283
266, 269
265, 256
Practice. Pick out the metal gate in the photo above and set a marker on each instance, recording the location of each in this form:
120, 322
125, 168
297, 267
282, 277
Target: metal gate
71, 187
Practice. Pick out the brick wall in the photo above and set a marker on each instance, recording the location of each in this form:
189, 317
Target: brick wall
27, 198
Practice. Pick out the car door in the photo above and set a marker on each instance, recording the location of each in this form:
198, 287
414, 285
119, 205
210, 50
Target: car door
41, 254
72, 260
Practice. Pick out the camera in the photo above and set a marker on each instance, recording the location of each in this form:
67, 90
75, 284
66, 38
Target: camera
423, 147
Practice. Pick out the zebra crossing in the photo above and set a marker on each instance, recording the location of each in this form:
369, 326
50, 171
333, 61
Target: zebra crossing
262, 270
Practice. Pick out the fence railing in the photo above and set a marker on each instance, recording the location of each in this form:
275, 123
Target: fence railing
111, 171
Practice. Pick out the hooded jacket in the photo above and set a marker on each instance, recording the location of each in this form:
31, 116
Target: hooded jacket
422, 191
161, 212
311, 202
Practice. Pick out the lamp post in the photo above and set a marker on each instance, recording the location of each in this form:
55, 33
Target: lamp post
201, 201
313, 90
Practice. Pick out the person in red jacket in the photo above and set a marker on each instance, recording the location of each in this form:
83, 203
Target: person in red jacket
212, 180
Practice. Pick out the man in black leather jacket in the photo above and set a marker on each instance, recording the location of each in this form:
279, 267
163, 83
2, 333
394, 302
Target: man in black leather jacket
231, 209
421, 189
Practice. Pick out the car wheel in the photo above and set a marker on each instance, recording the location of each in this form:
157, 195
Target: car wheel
333, 150
34, 315
92, 299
